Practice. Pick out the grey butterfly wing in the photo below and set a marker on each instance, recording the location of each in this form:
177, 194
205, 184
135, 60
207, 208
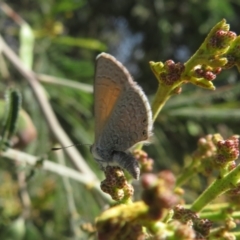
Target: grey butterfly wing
122, 115
130, 120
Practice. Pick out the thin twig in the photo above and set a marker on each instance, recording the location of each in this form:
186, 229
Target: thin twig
65, 82
48, 113
73, 213
12, 14
23, 192
61, 170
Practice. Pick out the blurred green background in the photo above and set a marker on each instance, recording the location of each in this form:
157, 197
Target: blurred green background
68, 36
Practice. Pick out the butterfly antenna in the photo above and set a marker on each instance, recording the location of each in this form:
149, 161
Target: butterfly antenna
59, 148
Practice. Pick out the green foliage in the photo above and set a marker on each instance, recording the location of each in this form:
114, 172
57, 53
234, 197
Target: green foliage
13, 105
62, 39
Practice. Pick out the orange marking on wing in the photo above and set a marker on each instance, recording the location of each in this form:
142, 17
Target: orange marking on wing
106, 95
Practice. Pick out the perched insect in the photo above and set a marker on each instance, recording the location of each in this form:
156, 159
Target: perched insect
123, 115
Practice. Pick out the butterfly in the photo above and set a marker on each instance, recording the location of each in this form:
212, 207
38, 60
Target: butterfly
123, 115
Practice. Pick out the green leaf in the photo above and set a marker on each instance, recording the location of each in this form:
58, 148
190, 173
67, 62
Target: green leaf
26, 45
87, 43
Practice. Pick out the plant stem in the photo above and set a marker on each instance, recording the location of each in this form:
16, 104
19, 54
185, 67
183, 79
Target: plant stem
217, 188
186, 174
162, 95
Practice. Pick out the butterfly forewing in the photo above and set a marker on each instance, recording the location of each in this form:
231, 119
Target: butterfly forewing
122, 112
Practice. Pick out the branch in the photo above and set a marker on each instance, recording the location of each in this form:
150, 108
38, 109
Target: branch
65, 82
64, 171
